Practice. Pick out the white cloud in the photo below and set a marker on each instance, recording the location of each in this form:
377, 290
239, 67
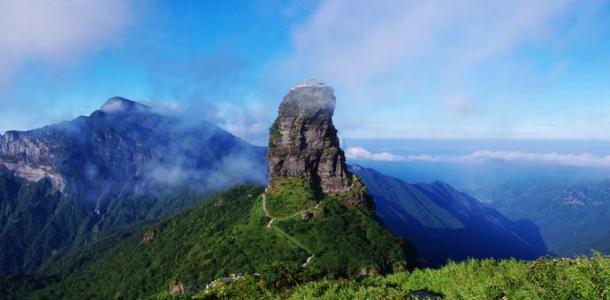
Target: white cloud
56, 31
462, 104
113, 106
359, 153
246, 122
560, 159
392, 45
574, 160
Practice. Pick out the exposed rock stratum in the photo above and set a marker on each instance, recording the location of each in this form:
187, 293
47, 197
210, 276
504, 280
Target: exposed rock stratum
303, 143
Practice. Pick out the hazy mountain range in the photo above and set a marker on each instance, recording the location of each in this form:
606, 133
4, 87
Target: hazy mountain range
572, 215
64, 184
444, 223
128, 163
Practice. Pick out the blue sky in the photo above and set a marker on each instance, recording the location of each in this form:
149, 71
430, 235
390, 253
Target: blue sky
400, 69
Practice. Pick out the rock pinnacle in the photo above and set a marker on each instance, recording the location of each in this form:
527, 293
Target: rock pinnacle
303, 143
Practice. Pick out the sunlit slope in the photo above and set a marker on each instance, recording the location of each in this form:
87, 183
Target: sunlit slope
233, 234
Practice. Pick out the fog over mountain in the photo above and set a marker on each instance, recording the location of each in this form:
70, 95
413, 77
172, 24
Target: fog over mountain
475, 164
67, 183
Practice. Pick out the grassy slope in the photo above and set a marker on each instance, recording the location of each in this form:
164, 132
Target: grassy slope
230, 235
472, 279
484, 279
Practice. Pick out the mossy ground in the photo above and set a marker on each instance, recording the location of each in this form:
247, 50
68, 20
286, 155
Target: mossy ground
290, 196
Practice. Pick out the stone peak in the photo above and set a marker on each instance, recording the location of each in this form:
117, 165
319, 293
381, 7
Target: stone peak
309, 83
120, 104
303, 144
310, 98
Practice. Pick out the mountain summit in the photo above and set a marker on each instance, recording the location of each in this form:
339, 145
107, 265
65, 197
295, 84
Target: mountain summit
303, 143
66, 184
120, 104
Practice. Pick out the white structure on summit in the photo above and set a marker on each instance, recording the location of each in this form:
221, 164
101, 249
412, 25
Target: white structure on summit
308, 83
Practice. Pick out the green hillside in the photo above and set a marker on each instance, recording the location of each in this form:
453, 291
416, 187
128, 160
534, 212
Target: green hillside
39, 224
586, 278
241, 231
32, 220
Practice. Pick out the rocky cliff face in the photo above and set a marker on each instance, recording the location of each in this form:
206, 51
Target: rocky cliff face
29, 157
303, 143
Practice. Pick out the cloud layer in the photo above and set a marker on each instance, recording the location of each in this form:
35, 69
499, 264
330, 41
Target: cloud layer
560, 159
388, 42
56, 31
359, 153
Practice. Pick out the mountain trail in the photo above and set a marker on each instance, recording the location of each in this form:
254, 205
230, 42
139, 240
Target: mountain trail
283, 233
267, 214
308, 260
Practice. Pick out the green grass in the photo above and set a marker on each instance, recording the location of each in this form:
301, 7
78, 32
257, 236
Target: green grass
586, 278
289, 196
291, 239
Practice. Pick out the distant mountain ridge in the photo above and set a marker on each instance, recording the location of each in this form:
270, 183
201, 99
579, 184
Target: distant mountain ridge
572, 215
446, 224
124, 163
